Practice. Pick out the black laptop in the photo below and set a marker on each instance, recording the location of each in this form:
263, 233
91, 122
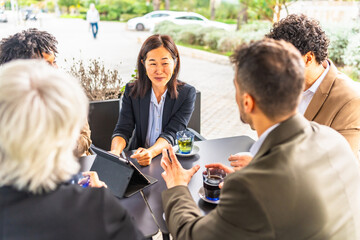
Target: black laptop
121, 176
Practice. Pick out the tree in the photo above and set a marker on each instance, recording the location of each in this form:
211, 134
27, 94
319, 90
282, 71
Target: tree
156, 4
167, 4
68, 4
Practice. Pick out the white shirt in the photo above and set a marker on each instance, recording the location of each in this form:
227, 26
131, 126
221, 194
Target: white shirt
309, 93
92, 16
155, 119
256, 146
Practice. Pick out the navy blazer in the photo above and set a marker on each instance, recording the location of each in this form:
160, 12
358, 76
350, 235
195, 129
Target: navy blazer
69, 212
134, 114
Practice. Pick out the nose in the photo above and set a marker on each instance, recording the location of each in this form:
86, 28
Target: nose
159, 69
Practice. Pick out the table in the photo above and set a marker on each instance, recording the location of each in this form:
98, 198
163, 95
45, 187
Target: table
211, 151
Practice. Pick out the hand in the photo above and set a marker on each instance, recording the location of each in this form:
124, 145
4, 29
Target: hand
175, 174
221, 166
143, 156
94, 180
239, 161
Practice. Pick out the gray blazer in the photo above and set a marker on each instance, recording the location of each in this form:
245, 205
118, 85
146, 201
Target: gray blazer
304, 183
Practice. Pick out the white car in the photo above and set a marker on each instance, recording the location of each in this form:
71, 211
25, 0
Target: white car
183, 18
149, 20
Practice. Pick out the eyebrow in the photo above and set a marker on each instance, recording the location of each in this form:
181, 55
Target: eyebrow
164, 58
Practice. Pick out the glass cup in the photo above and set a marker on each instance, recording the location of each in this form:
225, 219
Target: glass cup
212, 177
185, 141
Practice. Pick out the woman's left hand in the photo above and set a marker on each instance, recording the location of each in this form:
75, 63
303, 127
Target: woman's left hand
143, 156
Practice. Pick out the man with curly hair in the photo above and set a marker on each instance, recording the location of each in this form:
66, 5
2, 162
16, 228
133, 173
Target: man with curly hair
330, 97
35, 44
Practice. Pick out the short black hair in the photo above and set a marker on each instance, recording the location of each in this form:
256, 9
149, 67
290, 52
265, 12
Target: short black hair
28, 44
304, 33
272, 72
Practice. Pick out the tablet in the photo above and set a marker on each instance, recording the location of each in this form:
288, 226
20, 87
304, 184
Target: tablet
121, 176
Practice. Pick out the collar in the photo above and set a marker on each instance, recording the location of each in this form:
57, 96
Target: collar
256, 146
153, 97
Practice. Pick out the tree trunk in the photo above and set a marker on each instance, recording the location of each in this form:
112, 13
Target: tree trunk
242, 16
156, 4
167, 4
212, 9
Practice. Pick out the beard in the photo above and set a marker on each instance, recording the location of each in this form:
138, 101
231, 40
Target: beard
245, 118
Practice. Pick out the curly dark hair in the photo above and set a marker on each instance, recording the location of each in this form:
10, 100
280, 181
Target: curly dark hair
304, 33
28, 44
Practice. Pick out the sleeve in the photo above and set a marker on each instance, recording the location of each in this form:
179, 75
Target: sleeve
84, 141
117, 221
181, 118
347, 123
238, 215
126, 121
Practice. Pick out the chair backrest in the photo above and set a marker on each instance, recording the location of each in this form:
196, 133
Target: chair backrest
195, 119
103, 116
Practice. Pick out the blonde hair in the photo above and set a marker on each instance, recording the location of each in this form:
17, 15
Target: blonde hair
41, 113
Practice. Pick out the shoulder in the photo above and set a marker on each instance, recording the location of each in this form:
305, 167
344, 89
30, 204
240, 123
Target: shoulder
185, 89
345, 88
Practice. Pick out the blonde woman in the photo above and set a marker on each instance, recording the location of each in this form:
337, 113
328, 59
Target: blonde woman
41, 113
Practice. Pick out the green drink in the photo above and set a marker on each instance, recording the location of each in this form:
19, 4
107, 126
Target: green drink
185, 145
185, 141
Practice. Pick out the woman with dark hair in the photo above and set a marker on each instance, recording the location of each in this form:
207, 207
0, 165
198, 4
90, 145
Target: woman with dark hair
156, 104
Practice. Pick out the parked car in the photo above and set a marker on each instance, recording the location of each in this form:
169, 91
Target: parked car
3, 17
183, 18
149, 20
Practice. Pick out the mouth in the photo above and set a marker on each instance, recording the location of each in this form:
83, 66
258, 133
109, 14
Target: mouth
159, 78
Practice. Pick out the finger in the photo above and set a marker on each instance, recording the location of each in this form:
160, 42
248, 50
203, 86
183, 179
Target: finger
163, 165
173, 156
234, 157
236, 164
163, 174
137, 152
144, 163
215, 165
165, 157
143, 157
194, 169
221, 185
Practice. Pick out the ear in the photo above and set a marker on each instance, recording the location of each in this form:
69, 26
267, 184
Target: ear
309, 57
248, 103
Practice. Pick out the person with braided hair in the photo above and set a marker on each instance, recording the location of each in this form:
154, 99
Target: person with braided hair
35, 44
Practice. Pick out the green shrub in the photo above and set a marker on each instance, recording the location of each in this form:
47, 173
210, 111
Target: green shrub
212, 38
229, 42
352, 55
338, 43
187, 36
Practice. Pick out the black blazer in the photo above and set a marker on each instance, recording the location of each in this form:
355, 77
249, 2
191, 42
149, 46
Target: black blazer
69, 212
134, 114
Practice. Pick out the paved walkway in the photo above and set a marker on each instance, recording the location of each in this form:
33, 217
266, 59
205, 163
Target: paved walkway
117, 47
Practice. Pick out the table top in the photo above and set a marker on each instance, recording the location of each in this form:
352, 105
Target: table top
211, 151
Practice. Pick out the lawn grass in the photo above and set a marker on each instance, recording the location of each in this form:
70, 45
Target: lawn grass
72, 16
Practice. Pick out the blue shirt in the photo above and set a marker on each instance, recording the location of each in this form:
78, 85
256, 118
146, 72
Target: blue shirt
155, 119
